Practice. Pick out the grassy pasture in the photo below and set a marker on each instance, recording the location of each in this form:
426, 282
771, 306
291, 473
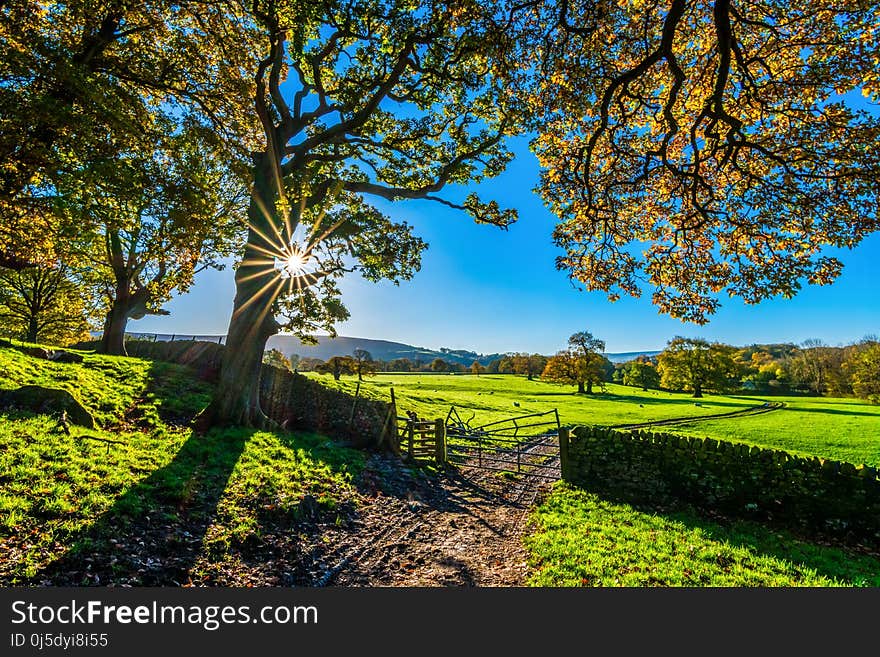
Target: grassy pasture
584, 540
843, 429
66, 501
837, 428
160, 505
492, 397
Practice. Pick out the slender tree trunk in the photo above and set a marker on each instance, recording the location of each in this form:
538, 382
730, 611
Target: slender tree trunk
698, 390
257, 284
590, 387
581, 387
113, 339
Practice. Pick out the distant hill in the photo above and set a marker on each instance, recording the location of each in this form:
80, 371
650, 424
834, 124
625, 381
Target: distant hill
624, 356
379, 349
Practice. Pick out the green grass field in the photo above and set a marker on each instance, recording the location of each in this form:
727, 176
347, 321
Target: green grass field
64, 498
843, 429
492, 397
161, 505
583, 540
836, 428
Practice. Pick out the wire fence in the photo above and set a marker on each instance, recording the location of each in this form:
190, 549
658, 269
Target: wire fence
174, 337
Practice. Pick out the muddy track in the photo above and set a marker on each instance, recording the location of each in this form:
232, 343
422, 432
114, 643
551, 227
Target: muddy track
461, 528
767, 407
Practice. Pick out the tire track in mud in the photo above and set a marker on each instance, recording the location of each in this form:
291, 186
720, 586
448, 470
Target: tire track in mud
463, 527
767, 407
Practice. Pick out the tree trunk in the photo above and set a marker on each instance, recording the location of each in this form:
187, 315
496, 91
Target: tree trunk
113, 339
589, 387
33, 329
581, 387
698, 390
257, 284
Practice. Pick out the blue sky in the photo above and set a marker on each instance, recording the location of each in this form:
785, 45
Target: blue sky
489, 290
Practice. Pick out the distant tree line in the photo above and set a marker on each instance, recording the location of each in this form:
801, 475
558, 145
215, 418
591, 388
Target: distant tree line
689, 365
529, 365
812, 367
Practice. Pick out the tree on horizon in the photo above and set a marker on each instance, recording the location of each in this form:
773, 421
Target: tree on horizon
697, 366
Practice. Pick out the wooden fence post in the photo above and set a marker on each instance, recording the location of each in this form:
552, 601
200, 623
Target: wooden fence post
410, 437
354, 403
563, 452
440, 440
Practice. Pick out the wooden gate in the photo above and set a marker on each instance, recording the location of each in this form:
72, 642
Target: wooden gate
422, 439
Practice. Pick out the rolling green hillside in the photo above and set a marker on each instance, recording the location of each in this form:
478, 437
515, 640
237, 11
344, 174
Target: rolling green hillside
141, 499
843, 429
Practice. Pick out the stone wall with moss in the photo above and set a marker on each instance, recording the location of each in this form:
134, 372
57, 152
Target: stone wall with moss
292, 400
295, 401
809, 494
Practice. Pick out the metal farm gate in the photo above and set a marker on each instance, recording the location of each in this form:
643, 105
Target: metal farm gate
523, 445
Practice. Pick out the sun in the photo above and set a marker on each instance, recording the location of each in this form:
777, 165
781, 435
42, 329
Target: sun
295, 264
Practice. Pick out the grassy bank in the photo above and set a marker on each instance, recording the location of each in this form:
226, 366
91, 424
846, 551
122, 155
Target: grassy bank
141, 499
583, 540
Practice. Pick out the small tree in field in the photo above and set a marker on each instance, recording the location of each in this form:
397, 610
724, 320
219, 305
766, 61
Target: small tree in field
477, 368
493, 366
530, 365
439, 365
641, 374
697, 365
400, 365
864, 369
568, 367
591, 363
362, 364
308, 364
337, 366
277, 359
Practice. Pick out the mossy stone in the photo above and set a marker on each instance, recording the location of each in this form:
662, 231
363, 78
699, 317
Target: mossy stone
40, 399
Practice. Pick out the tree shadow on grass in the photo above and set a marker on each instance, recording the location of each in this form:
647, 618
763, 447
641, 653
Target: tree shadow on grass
288, 529
153, 533
832, 411
661, 401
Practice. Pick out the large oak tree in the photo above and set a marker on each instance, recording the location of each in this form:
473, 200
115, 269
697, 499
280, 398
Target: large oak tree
151, 220
707, 147
697, 366
358, 100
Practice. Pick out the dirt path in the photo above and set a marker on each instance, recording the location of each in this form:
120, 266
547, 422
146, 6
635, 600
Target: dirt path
461, 528
767, 407
415, 530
